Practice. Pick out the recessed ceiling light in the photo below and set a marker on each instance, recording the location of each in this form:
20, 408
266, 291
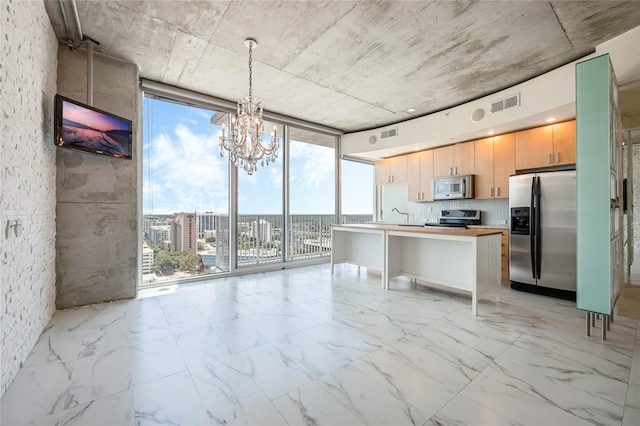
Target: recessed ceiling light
410, 110
491, 132
551, 119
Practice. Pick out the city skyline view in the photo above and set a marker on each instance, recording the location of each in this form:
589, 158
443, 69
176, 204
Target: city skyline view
183, 170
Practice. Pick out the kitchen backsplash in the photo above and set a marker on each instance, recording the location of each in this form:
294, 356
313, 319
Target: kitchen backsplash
397, 196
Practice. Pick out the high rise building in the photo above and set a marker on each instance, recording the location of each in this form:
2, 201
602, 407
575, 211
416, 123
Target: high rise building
151, 221
207, 221
159, 234
184, 235
147, 259
222, 243
261, 230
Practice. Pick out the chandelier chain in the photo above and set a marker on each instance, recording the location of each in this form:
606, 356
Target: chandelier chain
245, 143
250, 72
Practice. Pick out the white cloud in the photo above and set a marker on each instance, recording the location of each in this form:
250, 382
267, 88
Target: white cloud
311, 164
187, 172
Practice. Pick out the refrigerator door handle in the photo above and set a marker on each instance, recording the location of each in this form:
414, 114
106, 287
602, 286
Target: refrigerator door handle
538, 228
532, 228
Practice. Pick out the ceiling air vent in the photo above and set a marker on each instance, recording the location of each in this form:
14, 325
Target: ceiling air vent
510, 102
389, 133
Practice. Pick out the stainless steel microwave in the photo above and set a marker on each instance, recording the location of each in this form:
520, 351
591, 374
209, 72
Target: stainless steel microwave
453, 187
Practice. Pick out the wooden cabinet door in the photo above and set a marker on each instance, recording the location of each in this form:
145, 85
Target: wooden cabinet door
463, 159
414, 169
382, 172
484, 168
398, 169
534, 148
426, 174
564, 143
504, 164
443, 161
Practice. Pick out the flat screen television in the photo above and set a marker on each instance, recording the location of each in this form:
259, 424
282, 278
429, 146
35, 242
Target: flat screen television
83, 127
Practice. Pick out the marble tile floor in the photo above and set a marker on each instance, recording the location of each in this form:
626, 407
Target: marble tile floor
305, 347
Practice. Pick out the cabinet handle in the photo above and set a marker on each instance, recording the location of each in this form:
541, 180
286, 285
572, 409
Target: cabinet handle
557, 157
491, 191
455, 170
417, 195
391, 178
449, 171
548, 158
497, 191
423, 195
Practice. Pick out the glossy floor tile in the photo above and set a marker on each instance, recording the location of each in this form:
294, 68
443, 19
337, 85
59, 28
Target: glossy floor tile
307, 347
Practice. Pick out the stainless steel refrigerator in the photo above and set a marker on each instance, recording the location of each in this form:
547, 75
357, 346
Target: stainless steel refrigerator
543, 232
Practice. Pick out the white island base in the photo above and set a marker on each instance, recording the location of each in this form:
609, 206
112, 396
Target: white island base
463, 259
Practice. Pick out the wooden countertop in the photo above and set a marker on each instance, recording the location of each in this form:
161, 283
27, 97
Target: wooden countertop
475, 232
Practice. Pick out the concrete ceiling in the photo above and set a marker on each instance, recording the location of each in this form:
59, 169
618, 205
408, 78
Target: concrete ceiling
350, 65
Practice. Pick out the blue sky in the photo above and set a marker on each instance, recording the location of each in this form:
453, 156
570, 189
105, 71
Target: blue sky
183, 170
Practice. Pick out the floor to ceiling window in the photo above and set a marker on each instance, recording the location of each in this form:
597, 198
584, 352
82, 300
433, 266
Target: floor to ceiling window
185, 192
260, 211
203, 217
311, 193
357, 191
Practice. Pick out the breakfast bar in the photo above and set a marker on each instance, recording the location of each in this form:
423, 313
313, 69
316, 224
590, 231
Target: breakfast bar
463, 259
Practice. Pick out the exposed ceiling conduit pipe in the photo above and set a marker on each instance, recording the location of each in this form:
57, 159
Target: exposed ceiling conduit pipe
66, 25
77, 18
90, 42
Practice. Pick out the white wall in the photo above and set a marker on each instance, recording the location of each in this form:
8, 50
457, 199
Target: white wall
27, 183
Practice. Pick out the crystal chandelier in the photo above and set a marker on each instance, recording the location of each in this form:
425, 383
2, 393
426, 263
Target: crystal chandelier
245, 139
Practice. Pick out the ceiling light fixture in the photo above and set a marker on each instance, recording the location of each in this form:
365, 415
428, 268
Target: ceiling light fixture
491, 132
245, 142
411, 110
551, 119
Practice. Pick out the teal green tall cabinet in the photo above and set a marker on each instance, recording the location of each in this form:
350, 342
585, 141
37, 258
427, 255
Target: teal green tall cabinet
599, 187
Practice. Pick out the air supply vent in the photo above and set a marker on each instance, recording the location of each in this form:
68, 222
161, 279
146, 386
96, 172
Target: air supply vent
510, 102
389, 133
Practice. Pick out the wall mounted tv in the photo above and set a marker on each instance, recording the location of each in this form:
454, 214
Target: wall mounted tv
83, 127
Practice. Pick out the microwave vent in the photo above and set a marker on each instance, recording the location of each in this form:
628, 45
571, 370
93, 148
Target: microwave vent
389, 133
510, 102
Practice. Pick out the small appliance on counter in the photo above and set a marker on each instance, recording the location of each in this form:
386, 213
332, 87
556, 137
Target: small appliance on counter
453, 187
457, 218
543, 233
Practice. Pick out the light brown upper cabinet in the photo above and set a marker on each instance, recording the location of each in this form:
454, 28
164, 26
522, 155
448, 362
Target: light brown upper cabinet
454, 160
391, 170
564, 143
494, 162
545, 146
420, 173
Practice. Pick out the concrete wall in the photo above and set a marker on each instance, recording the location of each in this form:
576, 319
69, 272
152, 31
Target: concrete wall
27, 180
97, 232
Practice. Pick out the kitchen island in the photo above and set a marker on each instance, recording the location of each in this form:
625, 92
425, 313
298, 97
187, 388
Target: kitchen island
463, 259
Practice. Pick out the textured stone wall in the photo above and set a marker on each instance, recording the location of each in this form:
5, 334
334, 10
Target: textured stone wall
27, 180
636, 201
97, 232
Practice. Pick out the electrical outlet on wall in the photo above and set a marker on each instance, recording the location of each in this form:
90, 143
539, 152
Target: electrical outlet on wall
502, 222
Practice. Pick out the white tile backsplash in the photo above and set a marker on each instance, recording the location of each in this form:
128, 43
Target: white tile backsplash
397, 196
